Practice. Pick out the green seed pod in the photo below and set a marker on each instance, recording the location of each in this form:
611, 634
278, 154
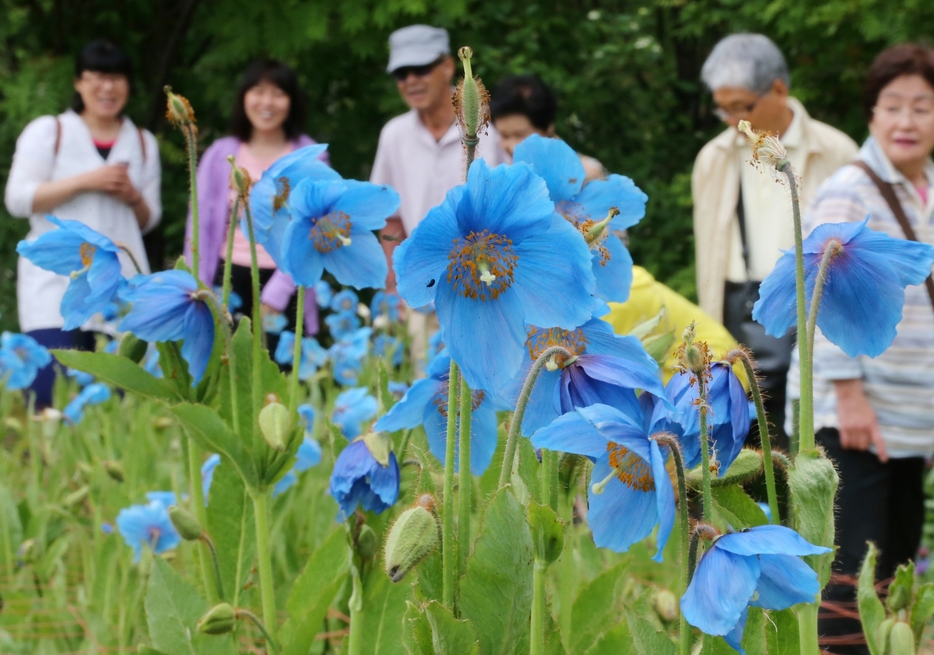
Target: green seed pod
114, 470
185, 522
132, 347
239, 178
218, 620
885, 632
470, 95
412, 538
367, 543
666, 605
76, 497
902, 639
179, 110
275, 424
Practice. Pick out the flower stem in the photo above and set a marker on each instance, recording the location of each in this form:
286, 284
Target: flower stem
833, 248
704, 447
465, 481
264, 560
684, 527
744, 356
228, 263
806, 419
191, 138
206, 540
132, 257
197, 505
247, 614
297, 350
355, 636
257, 386
448, 545
807, 628
516, 428
537, 636
550, 478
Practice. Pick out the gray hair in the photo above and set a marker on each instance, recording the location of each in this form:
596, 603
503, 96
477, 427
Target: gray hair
747, 61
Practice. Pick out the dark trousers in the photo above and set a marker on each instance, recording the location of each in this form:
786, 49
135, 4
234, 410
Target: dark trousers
881, 503
53, 338
773, 398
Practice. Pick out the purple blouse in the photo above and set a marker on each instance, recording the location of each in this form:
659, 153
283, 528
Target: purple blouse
213, 214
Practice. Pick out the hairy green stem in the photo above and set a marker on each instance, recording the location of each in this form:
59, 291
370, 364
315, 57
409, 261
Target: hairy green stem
257, 386
833, 248
264, 560
355, 636
297, 350
515, 429
704, 447
191, 138
129, 253
448, 545
247, 614
549, 470
228, 262
807, 628
537, 636
206, 540
197, 505
465, 481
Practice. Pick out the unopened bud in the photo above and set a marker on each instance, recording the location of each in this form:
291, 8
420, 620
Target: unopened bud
666, 605
76, 497
240, 180
185, 522
114, 470
367, 543
26, 553
132, 347
471, 100
902, 639
413, 537
179, 110
275, 423
218, 620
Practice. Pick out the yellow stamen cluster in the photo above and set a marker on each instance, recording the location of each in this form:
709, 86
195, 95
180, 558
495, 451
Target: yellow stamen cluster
539, 341
481, 265
87, 254
283, 189
330, 232
440, 399
631, 469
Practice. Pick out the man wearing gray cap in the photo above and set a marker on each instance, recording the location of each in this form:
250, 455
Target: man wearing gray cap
420, 153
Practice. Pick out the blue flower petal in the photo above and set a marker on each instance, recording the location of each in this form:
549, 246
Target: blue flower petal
408, 412
664, 498
621, 515
786, 580
577, 389
910, 259
776, 309
360, 265
618, 191
719, 591
571, 433
384, 481
735, 636
556, 162
308, 455
483, 436
768, 540
613, 277
199, 340
368, 205
300, 258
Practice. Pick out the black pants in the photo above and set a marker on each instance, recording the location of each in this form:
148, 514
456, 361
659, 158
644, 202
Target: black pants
881, 503
773, 398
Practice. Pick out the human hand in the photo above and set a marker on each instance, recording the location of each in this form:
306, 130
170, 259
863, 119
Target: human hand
111, 179
859, 427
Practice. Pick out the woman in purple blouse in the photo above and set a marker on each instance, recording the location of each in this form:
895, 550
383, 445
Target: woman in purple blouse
266, 124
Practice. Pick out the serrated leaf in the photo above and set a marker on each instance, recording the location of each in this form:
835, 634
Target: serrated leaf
597, 609
383, 609
922, 609
230, 525
736, 508
118, 371
450, 636
547, 532
11, 530
416, 631
871, 610
496, 591
211, 433
615, 641
646, 639
313, 591
781, 633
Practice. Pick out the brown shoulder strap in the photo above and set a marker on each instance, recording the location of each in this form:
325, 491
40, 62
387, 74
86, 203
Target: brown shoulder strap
142, 143
888, 194
58, 135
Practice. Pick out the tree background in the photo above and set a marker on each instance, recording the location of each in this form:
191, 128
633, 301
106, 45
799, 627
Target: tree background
626, 72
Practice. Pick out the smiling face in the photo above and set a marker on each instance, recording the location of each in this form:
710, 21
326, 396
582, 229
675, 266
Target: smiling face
903, 122
428, 92
267, 106
515, 128
767, 112
104, 94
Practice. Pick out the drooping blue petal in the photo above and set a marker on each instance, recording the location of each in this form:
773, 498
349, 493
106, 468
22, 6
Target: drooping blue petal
299, 258
351, 409
735, 636
556, 162
601, 340
598, 196
285, 352
776, 309
910, 259
408, 412
384, 481
147, 525
785, 580
207, 474
621, 515
358, 479
368, 205
664, 498
199, 340
720, 591
571, 433
540, 410
613, 276
483, 436
769, 540
308, 455
58, 251
577, 389
361, 265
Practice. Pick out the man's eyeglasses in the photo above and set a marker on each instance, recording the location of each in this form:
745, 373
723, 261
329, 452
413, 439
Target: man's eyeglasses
737, 112
402, 74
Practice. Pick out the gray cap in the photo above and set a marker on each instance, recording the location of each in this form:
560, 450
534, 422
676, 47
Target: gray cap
417, 45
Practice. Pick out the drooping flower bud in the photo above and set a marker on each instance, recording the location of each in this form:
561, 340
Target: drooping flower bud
240, 180
367, 542
132, 347
179, 109
666, 605
412, 538
693, 356
114, 470
218, 620
471, 100
275, 424
185, 522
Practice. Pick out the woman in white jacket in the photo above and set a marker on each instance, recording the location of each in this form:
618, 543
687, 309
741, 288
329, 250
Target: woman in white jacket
89, 164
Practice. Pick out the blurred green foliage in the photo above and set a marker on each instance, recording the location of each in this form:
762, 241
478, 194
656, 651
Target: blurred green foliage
626, 71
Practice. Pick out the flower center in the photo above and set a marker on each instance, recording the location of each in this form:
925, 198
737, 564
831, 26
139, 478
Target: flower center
540, 340
283, 189
629, 468
481, 265
573, 212
330, 232
440, 399
87, 253
154, 534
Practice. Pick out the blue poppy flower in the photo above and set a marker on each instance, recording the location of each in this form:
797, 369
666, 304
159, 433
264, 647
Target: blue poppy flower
332, 228
274, 323
344, 301
584, 205
323, 293
83, 379
271, 196
385, 304
390, 348
728, 419
351, 409
342, 324
306, 414
426, 404
864, 292
165, 498
93, 394
308, 455
313, 355
630, 491
347, 356
207, 474
360, 479
758, 567
88, 257
148, 525
21, 357
606, 369
285, 483
493, 256
398, 389
165, 308
234, 301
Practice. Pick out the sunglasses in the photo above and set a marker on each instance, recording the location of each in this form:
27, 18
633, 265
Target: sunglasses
402, 74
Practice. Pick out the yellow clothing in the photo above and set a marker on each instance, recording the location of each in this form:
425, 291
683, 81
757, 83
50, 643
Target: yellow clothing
647, 297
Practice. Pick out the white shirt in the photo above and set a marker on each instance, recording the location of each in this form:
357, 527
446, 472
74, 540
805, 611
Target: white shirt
767, 204
39, 292
421, 169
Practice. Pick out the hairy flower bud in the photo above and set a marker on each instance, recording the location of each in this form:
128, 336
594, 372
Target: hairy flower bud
240, 180
179, 109
132, 347
902, 639
218, 620
275, 424
666, 605
367, 543
185, 522
412, 538
114, 470
471, 100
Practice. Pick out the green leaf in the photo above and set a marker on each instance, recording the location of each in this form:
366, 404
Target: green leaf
11, 530
496, 591
781, 633
313, 592
812, 485
174, 367
736, 508
871, 610
754, 634
146, 650
211, 433
922, 609
416, 631
646, 639
450, 636
118, 371
173, 608
230, 525
746, 466
547, 532
613, 642
526, 484
597, 609
383, 609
